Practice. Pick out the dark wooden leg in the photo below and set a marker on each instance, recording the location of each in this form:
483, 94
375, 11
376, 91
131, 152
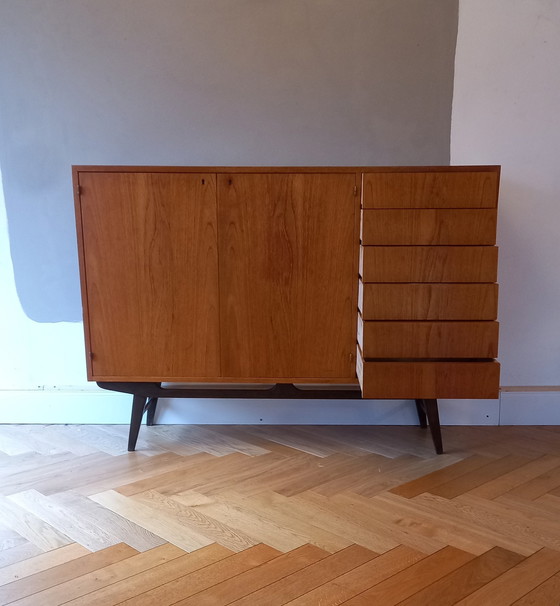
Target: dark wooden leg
432, 413
421, 413
151, 411
138, 405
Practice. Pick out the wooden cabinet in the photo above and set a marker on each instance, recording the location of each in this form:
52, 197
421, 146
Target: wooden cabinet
292, 275
427, 293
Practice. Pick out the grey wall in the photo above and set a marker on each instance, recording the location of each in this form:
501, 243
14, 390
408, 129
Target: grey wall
226, 82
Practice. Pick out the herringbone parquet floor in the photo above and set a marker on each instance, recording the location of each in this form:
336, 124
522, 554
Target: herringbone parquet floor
263, 516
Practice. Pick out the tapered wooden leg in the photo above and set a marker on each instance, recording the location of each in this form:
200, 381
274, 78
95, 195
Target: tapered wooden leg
151, 411
421, 413
431, 408
138, 404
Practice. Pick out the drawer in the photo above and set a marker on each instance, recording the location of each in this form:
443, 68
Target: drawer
429, 263
429, 227
428, 301
428, 379
428, 339
445, 189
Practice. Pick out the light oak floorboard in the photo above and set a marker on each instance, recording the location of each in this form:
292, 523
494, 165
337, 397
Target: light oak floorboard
89, 582
40, 562
466, 579
440, 477
517, 581
254, 579
170, 528
357, 510
310, 578
128, 586
285, 514
36, 530
118, 527
63, 519
192, 517
14, 555
197, 581
398, 587
516, 477
22, 588
546, 594
346, 586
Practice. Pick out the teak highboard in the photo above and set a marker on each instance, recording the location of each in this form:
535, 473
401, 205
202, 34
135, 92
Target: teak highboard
373, 282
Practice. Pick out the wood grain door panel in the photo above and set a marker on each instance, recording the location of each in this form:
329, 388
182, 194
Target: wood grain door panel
428, 263
429, 227
434, 189
425, 340
428, 301
288, 257
151, 274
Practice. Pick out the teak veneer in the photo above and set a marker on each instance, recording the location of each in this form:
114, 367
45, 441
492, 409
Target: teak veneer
376, 281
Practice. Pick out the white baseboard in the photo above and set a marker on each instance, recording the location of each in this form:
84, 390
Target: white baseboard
66, 406
530, 408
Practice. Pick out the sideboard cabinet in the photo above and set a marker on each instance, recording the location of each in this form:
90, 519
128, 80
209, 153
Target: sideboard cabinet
382, 278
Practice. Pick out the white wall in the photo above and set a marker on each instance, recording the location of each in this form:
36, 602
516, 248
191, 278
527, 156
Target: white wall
193, 82
33, 354
506, 108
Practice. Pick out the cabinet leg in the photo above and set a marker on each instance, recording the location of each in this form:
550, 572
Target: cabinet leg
421, 413
431, 408
428, 415
138, 405
151, 411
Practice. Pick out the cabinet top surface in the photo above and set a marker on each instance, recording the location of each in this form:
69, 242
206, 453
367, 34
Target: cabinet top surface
285, 169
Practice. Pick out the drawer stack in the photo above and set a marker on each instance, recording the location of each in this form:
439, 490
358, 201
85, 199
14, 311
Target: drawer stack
427, 292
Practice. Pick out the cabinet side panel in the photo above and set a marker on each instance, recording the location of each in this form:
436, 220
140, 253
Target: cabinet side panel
151, 266
287, 275
82, 266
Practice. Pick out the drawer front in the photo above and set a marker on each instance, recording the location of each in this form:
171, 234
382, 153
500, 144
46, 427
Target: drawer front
446, 189
428, 263
429, 379
429, 227
425, 340
428, 301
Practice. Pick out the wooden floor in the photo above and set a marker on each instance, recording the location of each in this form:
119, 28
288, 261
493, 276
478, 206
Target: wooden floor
259, 516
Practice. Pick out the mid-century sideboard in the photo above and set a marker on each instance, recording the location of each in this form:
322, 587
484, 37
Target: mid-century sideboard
355, 282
